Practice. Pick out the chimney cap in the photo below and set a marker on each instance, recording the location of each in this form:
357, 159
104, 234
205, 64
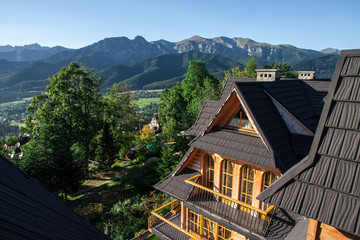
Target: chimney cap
306, 71
267, 70
268, 74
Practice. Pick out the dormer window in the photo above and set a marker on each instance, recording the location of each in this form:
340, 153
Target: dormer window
241, 122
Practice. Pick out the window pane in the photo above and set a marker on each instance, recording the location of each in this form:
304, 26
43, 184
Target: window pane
251, 174
230, 171
240, 120
247, 182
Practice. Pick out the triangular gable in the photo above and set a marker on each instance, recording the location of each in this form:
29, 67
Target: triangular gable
234, 114
240, 121
220, 118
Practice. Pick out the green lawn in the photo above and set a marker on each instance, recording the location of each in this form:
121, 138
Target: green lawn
143, 102
16, 102
153, 237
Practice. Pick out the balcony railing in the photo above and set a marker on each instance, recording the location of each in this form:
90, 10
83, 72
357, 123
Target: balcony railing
240, 213
166, 220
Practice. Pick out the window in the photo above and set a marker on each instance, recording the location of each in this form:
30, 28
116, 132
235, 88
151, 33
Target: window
194, 222
224, 233
208, 228
247, 183
226, 178
268, 179
241, 121
209, 177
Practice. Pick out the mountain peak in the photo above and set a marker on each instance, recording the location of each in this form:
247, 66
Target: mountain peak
196, 38
139, 39
330, 51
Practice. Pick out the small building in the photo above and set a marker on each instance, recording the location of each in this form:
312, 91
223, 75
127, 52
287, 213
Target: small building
154, 125
244, 141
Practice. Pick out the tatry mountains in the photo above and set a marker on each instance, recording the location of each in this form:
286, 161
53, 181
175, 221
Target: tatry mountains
141, 64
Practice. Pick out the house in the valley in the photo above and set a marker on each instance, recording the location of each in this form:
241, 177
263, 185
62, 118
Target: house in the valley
256, 131
325, 186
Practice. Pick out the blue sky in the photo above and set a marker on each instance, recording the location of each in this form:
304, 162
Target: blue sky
311, 24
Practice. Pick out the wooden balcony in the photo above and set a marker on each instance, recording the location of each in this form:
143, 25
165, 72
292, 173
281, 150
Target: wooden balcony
165, 221
251, 218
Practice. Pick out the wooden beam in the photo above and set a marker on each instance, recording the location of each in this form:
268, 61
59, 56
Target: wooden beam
331, 233
312, 230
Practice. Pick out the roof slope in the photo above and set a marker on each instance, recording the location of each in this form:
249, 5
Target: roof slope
269, 122
325, 185
204, 118
303, 99
236, 145
29, 211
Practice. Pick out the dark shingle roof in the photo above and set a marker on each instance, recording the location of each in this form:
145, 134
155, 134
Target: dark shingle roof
302, 99
204, 119
235, 144
325, 185
269, 123
29, 211
175, 185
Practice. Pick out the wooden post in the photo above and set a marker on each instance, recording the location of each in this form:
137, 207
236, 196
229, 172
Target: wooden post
257, 187
236, 182
312, 229
183, 216
217, 173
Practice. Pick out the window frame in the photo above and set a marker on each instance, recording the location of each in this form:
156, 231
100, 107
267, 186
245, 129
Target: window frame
272, 179
247, 181
226, 178
239, 125
209, 171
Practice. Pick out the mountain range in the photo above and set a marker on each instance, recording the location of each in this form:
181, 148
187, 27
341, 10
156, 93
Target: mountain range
142, 64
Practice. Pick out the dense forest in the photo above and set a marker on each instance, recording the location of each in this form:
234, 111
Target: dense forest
96, 152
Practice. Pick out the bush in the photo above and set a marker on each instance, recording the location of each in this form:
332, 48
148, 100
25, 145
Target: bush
125, 219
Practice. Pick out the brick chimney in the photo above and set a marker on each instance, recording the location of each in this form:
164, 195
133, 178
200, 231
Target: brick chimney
268, 74
306, 74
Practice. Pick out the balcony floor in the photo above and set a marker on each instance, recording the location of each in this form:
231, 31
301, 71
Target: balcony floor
230, 213
166, 232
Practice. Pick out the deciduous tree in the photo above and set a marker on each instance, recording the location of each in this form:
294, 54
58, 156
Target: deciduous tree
63, 122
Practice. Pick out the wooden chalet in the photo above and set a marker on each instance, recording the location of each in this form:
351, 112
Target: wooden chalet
254, 133
29, 211
325, 186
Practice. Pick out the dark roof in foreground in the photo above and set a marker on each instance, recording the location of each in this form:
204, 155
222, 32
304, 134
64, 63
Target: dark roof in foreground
325, 185
29, 211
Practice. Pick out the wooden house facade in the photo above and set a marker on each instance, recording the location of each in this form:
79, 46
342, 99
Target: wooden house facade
325, 186
244, 141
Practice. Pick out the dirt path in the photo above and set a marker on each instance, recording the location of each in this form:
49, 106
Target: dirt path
89, 187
